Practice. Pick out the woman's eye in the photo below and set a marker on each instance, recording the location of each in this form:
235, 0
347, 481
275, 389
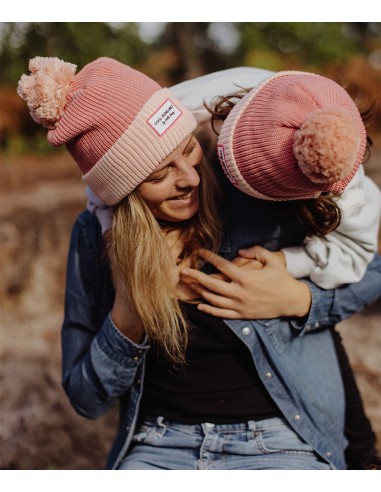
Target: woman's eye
190, 149
157, 179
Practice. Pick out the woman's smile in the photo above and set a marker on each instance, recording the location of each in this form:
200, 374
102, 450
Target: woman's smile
171, 192
184, 196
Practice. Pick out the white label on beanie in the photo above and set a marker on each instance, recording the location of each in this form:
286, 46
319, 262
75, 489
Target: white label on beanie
164, 117
221, 156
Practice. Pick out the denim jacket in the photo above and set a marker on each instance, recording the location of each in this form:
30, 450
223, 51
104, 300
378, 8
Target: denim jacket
295, 358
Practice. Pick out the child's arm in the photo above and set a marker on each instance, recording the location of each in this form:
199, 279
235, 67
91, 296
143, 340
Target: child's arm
342, 256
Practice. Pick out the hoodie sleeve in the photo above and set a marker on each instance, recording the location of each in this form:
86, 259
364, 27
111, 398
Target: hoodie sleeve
342, 256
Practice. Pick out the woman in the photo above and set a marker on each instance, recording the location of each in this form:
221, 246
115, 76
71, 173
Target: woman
133, 143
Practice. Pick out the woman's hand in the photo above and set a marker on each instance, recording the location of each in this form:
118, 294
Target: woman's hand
184, 290
175, 244
247, 293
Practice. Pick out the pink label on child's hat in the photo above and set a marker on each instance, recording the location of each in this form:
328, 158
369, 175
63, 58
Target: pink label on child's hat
163, 118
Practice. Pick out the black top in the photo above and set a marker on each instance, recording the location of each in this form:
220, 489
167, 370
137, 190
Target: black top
218, 382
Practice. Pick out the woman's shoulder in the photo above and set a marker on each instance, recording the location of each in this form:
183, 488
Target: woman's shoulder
86, 221
87, 232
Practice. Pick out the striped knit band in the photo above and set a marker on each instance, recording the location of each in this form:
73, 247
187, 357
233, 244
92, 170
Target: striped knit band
225, 143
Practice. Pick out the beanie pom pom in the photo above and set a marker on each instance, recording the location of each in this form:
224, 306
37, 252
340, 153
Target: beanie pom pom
326, 145
46, 89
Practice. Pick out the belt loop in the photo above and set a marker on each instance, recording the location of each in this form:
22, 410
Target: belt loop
251, 428
161, 426
252, 425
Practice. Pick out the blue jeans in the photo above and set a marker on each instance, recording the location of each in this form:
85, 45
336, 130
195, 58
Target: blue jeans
269, 444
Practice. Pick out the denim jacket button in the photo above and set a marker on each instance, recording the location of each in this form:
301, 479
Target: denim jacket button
269, 374
297, 417
246, 330
136, 358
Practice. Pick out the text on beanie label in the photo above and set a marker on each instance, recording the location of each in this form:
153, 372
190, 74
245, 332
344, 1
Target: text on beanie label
164, 117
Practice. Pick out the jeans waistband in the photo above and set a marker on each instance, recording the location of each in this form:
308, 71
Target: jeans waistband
262, 424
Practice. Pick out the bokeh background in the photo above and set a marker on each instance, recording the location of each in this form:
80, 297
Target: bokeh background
41, 194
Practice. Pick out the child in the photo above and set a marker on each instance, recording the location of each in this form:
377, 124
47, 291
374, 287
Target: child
255, 149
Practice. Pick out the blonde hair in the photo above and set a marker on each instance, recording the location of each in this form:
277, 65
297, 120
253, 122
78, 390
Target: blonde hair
140, 256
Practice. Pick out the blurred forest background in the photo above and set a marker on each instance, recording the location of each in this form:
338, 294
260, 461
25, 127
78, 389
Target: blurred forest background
41, 194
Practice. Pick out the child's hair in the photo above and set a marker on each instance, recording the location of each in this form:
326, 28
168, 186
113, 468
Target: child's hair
140, 256
319, 215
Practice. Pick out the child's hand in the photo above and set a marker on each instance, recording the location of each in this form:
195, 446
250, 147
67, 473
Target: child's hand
270, 292
246, 264
251, 253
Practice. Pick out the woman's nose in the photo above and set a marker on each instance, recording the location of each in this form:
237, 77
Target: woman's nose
188, 176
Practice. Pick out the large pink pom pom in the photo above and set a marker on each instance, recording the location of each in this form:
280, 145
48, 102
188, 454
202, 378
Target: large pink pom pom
46, 89
326, 145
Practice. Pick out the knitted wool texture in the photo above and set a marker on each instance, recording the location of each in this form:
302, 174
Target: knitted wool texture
293, 137
117, 123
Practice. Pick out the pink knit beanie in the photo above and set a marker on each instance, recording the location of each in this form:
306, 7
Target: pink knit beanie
117, 123
293, 137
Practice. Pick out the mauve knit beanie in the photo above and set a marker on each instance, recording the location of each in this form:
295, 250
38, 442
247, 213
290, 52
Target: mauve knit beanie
295, 136
117, 123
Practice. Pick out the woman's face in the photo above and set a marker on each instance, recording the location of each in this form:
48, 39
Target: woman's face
171, 191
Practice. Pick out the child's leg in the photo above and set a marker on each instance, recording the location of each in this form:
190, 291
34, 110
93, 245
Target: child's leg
361, 452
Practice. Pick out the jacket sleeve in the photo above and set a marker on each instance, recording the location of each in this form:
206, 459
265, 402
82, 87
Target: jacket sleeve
331, 306
342, 256
99, 364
